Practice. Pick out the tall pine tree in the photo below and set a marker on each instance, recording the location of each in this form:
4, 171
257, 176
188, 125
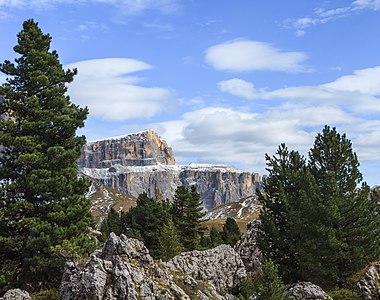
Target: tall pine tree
318, 223
187, 213
42, 207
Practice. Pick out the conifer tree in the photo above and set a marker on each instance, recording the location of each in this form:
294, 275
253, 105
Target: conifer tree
169, 241
187, 214
215, 236
268, 285
111, 224
231, 232
318, 224
350, 208
145, 221
42, 205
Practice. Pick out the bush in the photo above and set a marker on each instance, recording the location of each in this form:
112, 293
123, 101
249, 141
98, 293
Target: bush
46, 295
345, 294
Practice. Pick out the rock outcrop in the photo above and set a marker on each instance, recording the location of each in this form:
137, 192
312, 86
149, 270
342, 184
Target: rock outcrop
16, 294
143, 163
248, 250
369, 284
220, 266
123, 269
306, 291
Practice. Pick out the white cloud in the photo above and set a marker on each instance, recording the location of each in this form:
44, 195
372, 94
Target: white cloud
248, 55
367, 4
103, 86
366, 81
238, 87
240, 138
323, 16
356, 92
224, 135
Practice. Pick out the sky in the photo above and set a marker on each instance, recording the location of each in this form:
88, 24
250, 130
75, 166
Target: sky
222, 81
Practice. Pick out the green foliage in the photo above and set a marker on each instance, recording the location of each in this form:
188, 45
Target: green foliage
246, 289
345, 294
169, 241
46, 295
317, 224
186, 212
43, 205
111, 224
216, 237
231, 232
146, 220
268, 285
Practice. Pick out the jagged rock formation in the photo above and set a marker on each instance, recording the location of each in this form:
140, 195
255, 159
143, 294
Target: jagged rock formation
123, 269
142, 162
16, 294
220, 266
247, 249
306, 291
139, 149
369, 284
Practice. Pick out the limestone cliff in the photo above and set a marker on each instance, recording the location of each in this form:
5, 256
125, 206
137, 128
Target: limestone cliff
139, 149
143, 162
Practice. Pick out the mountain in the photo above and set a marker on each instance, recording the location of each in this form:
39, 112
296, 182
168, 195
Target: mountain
104, 197
143, 163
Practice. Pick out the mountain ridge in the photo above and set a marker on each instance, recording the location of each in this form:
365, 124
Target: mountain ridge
144, 163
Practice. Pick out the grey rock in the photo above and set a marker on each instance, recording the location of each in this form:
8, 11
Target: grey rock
248, 250
369, 284
220, 266
140, 149
16, 294
143, 163
124, 269
307, 291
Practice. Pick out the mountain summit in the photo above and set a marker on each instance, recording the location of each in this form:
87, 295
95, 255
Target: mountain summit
143, 163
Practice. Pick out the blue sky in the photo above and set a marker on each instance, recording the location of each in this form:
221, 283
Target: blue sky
221, 81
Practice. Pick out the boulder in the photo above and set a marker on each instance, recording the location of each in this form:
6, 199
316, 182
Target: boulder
16, 294
369, 284
306, 291
221, 266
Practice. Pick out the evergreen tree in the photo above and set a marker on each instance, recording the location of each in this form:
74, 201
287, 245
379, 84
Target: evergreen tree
287, 199
111, 224
146, 221
317, 224
187, 214
216, 237
349, 216
42, 207
169, 241
231, 232
268, 285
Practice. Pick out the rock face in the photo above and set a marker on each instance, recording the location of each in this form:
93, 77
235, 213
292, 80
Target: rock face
125, 270
220, 266
369, 285
16, 294
143, 163
247, 249
140, 149
307, 291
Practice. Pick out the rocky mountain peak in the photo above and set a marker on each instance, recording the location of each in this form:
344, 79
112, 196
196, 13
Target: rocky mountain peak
144, 148
143, 163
